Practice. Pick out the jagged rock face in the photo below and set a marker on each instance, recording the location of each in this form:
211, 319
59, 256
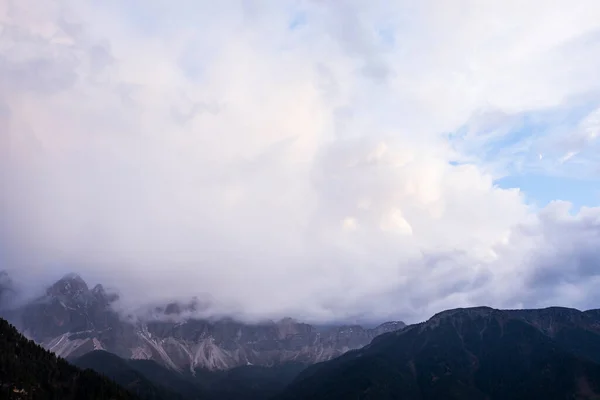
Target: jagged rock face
68, 306
72, 320
223, 344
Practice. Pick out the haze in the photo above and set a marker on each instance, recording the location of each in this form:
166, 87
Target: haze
322, 160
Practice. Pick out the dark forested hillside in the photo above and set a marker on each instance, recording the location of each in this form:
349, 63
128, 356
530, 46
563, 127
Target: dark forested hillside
248, 382
468, 354
27, 371
152, 381
164, 385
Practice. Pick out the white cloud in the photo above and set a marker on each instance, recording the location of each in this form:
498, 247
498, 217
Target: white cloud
195, 147
567, 157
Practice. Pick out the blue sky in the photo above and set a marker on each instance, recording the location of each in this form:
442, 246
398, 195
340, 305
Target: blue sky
541, 189
550, 154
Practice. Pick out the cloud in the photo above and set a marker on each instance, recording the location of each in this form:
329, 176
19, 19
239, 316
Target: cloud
582, 142
204, 148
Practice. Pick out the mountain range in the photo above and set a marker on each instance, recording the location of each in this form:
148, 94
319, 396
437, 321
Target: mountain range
71, 319
476, 353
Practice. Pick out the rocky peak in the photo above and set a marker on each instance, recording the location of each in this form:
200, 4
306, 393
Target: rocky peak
70, 285
174, 311
103, 296
99, 291
68, 307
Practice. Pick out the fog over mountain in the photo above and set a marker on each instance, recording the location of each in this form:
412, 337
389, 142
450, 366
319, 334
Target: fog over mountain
325, 161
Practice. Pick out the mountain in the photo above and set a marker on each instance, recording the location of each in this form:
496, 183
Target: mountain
468, 354
462, 354
71, 320
27, 371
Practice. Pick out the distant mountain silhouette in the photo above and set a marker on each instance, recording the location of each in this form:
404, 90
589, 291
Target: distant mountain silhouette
125, 374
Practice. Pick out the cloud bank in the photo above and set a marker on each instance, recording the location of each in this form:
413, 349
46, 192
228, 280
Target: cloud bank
324, 160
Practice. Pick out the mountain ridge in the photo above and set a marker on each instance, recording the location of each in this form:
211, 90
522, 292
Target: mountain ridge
71, 319
475, 353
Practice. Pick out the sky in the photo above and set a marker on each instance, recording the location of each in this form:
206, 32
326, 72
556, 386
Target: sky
324, 160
